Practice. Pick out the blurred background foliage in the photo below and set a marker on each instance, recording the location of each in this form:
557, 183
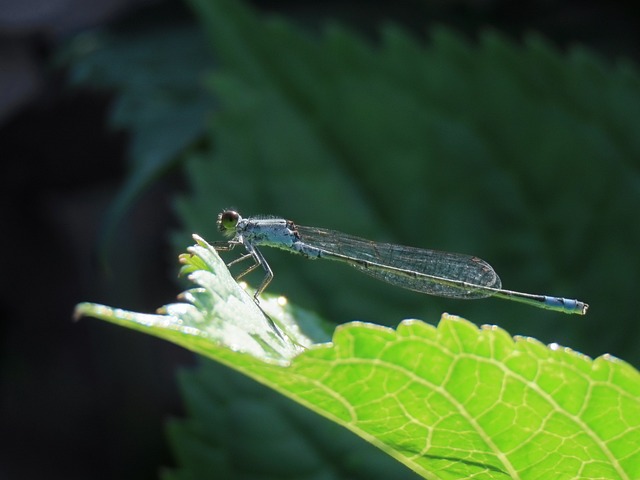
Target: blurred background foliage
506, 132
514, 152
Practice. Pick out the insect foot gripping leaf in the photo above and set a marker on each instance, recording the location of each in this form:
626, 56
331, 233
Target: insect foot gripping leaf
449, 402
217, 315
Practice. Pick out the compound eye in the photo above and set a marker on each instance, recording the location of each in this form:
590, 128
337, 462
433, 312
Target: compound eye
228, 220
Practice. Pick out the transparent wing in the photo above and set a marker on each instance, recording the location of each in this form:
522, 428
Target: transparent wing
427, 271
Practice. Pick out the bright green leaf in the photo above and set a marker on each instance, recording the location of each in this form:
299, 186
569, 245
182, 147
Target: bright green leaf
449, 402
241, 429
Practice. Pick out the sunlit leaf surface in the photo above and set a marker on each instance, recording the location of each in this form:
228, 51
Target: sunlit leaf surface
451, 401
